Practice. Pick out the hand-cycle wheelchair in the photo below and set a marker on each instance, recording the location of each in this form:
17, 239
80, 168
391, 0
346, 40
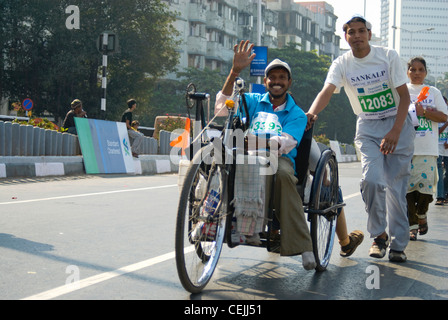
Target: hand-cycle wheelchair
205, 217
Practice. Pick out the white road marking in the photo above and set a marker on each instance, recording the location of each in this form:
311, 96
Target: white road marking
68, 288
352, 195
88, 194
56, 292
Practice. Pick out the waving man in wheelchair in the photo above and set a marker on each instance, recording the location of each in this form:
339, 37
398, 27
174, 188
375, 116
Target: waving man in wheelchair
295, 236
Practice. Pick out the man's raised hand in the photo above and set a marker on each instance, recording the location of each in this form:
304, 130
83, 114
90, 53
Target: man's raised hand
243, 56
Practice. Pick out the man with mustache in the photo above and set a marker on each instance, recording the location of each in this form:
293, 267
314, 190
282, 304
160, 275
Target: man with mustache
295, 236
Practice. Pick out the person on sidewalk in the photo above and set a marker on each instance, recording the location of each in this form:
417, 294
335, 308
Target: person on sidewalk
375, 83
423, 182
76, 110
136, 139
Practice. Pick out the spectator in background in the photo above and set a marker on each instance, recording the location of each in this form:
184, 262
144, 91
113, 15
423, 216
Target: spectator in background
135, 137
76, 110
137, 141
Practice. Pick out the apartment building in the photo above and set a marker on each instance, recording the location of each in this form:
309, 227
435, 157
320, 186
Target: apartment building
210, 28
417, 28
312, 25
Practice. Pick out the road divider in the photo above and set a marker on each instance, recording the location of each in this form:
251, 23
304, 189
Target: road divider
16, 167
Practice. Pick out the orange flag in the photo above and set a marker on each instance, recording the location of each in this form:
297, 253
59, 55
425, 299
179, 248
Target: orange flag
183, 141
423, 94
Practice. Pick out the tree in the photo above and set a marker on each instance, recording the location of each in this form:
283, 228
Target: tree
53, 65
168, 96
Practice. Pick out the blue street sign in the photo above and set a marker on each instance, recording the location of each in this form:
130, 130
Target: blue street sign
260, 61
27, 104
257, 88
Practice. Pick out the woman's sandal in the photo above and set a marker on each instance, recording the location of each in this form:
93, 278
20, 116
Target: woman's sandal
423, 227
439, 202
413, 235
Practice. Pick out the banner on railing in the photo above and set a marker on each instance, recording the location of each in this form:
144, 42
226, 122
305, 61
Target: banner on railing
105, 146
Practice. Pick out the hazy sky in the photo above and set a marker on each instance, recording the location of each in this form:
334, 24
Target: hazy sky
345, 9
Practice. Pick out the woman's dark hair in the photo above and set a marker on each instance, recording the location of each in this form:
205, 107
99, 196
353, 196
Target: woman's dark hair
419, 59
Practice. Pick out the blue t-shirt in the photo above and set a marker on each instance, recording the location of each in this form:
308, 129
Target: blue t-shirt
292, 119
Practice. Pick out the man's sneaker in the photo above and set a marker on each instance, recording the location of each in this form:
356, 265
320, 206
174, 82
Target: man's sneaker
397, 256
379, 246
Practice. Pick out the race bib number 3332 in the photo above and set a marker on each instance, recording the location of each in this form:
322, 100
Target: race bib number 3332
378, 102
266, 124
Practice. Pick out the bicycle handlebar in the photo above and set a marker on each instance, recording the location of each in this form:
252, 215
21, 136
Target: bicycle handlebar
199, 96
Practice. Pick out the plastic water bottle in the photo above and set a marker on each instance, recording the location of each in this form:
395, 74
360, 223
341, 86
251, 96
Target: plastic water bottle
213, 197
206, 231
201, 188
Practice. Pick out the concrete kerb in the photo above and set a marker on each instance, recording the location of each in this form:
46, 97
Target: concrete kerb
17, 166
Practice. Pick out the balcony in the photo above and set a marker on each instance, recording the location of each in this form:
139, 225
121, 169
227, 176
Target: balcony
197, 45
197, 13
214, 21
216, 51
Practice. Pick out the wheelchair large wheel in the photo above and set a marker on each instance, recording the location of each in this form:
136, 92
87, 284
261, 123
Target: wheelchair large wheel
324, 196
199, 236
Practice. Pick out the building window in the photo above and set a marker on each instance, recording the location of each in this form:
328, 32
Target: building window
196, 29
195, 61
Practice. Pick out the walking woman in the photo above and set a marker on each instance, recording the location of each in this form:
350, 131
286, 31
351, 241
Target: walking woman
423, 182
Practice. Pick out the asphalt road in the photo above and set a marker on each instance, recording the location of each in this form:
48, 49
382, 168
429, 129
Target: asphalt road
112, 237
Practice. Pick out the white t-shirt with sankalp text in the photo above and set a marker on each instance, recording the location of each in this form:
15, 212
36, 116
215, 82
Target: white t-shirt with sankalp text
370, 82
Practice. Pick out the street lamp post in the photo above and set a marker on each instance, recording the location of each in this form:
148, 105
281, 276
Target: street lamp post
412, 34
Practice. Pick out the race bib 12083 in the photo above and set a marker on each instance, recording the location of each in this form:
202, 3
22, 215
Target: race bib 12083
377, 102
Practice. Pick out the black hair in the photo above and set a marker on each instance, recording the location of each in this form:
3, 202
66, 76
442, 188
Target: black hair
131, 102
354, 19
419, 59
